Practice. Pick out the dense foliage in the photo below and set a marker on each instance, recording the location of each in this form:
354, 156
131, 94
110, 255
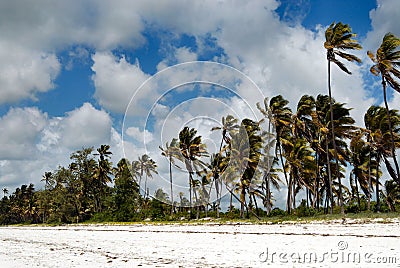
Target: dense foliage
320, 155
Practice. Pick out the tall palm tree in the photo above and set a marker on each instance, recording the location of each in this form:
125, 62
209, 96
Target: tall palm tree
216, 167
147, 167
136, 172
281, 118
171, 151
363, 166
270, 178
385, 62
254, 154
376, 123
303, 128
300, 166
339, 38
191, 149
101, 175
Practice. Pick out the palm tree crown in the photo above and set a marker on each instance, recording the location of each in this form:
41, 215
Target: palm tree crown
386, 60
339, 37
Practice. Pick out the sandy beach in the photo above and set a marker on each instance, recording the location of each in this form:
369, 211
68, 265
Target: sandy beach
203, 245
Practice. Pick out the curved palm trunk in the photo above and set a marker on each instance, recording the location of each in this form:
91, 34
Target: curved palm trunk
333, 140
391, 131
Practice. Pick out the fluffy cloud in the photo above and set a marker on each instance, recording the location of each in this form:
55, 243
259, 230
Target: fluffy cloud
382, 21
24, 72
32, 143
85, 126
138, 135
20, 129
116, 81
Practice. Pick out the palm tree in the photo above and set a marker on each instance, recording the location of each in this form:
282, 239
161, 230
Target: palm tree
385, 62
136, 172
102, 175
241, 161
147, 166
254, 154
228, 124
191, 149
281, 118
270, 178
300, 166
392, 194
377, 124
363, 166
339, 37
216, 167
343, 131
5, 192
170, 152
303, 128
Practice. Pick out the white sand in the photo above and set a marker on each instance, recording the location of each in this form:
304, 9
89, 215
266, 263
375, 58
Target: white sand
213, 245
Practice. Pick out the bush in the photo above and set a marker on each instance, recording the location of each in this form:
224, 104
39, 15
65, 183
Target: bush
277, 212
304, 211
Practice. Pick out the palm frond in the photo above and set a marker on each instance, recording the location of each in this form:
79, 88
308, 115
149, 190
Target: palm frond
375, 70
348, 56
341, 65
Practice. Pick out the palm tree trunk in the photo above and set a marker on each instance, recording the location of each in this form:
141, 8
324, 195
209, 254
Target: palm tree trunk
255, 204
358, 194
197, 201
284, 173
289, 195
369, 179
268, 195
294, 195
333, 139
170, 180
218, 195
145, 187
391, 131
330, 190
231, 202
378, 203
190, 195
238, 199
242, 200
317, 177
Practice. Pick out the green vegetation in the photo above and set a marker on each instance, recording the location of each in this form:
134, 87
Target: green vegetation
314, 146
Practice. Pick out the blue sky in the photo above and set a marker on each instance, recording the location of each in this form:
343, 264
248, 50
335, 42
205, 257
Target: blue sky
68, 70
74, 85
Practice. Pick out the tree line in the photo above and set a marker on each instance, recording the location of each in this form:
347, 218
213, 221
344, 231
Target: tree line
316, 152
